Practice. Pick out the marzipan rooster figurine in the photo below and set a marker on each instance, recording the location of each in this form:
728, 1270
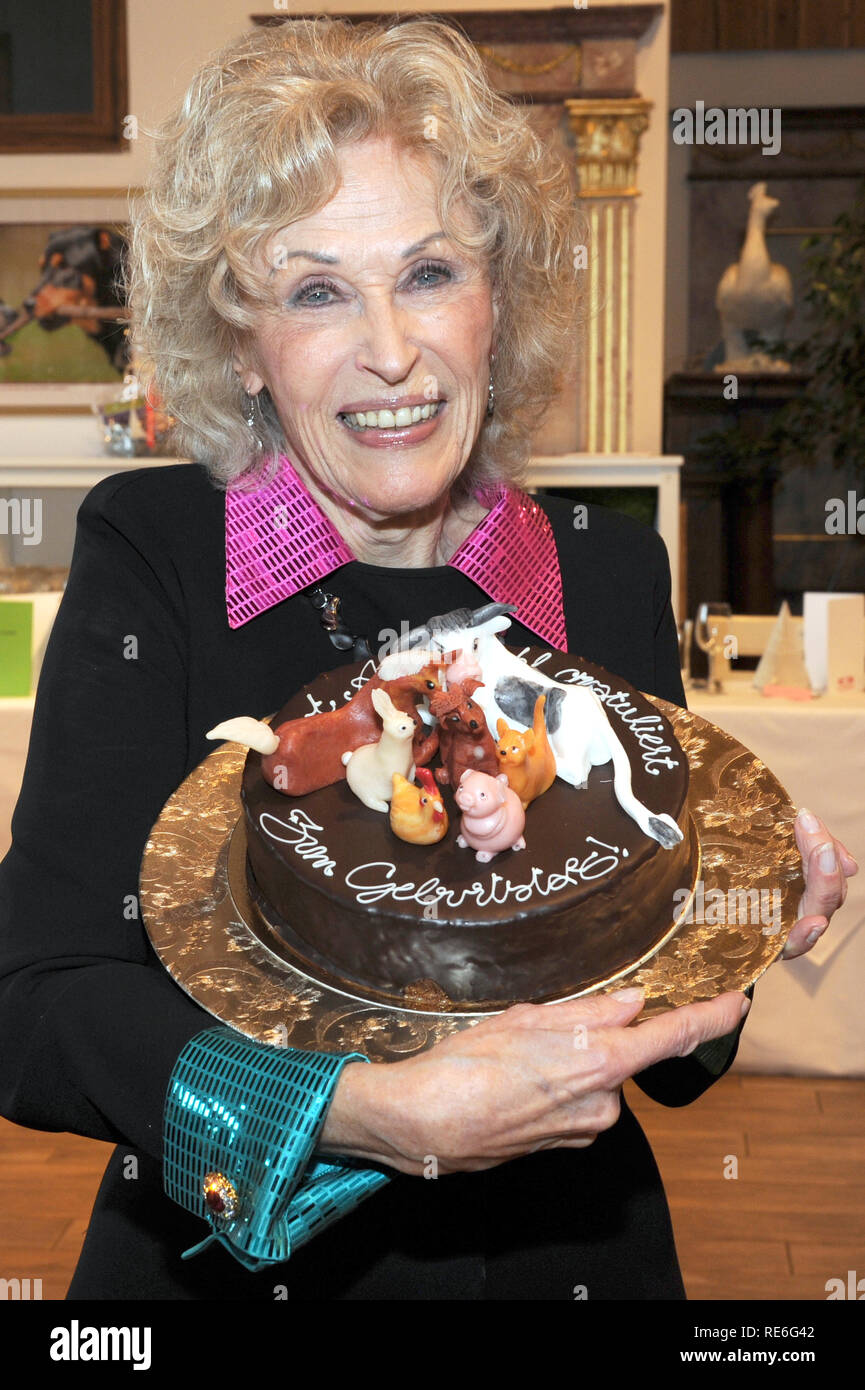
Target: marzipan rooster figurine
417, 814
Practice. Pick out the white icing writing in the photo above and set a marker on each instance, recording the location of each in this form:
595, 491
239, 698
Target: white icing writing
620, 702
376, 880
652, 745
296, 834
366, 673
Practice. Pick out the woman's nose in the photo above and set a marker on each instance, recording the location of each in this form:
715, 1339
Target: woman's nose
386, 344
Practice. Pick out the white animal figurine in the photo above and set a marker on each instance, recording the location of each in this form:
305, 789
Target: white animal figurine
581, 736
369, 770
754, 293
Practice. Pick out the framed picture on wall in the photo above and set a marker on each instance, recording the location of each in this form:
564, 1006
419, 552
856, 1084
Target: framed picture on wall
63, 311
63, 75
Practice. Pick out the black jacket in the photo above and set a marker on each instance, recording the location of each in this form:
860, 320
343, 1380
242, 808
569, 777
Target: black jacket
140, 663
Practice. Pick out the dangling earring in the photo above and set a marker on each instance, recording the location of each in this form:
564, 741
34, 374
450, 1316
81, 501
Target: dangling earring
252, 410
491, 398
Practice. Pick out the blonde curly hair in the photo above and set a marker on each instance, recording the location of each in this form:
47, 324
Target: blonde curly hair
254, 146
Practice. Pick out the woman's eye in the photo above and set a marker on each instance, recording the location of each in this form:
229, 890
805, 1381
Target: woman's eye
305, 293
432, 268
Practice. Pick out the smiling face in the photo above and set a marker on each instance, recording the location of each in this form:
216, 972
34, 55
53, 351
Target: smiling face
398, 318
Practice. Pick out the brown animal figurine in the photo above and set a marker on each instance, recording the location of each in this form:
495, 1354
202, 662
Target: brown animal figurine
527, 757
465, 742
305, 754
417, 814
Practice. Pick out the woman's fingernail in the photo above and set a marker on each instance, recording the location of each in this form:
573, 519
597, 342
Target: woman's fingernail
814, 936
746, 1004
627, 996
828, 858
808, 820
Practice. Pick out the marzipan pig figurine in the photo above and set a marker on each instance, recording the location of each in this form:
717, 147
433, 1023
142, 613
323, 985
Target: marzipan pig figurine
493, 818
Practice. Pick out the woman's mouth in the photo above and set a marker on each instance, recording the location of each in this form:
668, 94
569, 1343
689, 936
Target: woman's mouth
407, 424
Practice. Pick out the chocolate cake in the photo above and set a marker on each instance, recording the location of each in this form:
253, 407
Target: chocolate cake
590, 894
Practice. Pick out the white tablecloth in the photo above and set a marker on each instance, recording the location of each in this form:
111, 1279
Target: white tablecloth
808, 1015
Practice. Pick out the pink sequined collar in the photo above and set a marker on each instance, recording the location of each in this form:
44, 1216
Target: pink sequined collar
278, 541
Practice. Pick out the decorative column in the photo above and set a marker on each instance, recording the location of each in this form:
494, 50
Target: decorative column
607, 138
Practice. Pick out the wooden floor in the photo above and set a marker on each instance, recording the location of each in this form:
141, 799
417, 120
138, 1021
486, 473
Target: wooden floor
50, 1183
792, 1219
795, 1215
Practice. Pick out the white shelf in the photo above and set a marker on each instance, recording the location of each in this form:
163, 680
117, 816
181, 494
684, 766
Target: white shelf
28, 473
660, 471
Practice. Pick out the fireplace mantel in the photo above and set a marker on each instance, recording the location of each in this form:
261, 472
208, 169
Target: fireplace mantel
557, 24
516, 45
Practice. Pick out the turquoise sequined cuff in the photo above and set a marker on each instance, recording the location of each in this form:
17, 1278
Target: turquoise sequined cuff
241, 1122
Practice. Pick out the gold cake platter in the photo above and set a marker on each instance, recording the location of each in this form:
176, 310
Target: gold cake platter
216, 945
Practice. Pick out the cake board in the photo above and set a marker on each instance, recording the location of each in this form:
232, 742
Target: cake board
207, 932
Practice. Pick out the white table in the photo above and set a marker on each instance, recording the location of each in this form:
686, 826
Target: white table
808, 1015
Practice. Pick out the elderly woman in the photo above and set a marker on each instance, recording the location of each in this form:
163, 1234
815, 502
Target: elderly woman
353, 277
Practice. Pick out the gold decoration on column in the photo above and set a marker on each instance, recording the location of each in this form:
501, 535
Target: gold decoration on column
607, 135
607, 131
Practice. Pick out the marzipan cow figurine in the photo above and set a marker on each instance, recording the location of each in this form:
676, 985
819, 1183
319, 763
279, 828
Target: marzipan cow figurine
580, 731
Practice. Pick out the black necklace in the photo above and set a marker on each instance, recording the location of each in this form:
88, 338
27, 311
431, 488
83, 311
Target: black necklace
327, 607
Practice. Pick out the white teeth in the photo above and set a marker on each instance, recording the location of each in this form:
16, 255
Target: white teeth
390, 419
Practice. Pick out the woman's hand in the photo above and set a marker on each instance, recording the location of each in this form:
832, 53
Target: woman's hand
534, 1077
826, 867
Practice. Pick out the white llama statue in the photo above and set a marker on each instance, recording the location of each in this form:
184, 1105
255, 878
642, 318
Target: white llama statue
754, 294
